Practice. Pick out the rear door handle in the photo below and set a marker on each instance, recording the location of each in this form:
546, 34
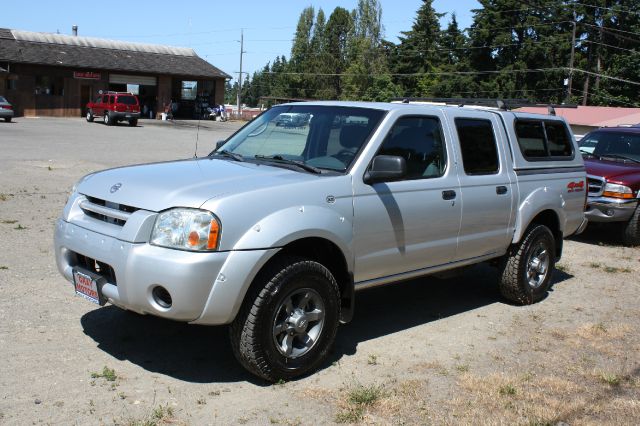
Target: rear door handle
448, 195
500, 190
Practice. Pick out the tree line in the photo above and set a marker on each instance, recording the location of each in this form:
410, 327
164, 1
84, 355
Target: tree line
548, 51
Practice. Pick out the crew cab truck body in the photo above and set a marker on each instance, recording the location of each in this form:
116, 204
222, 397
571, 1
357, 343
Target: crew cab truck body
274, 231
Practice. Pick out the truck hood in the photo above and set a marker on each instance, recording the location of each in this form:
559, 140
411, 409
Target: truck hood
615, 171
184, 183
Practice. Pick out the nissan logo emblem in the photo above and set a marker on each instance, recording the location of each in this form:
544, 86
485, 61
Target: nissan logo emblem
115, 187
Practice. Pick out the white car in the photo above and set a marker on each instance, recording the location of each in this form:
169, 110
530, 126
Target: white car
6, 109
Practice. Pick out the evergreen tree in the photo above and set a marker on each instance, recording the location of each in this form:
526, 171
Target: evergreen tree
418, 53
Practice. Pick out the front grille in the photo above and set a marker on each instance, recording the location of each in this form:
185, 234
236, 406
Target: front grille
106, 211
596, 186
92, 265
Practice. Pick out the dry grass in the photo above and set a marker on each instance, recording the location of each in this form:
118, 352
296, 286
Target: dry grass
588, 375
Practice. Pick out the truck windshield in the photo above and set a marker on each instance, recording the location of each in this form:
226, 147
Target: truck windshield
324, 137
622, 144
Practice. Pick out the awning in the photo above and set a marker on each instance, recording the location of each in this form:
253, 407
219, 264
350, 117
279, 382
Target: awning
132, 79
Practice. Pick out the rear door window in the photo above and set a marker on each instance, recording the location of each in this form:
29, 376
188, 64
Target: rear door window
127, 100
478, 146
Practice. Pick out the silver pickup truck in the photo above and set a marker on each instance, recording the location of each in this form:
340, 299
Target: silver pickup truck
275, 231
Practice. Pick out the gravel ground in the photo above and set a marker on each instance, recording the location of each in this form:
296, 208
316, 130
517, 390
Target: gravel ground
429, 351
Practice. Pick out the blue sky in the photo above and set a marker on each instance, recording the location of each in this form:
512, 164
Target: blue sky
212, 28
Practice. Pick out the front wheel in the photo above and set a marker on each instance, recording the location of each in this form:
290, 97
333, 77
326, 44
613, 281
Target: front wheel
525, 273
631, 231
133, 122
7, 119
89, 116
288, 320
106, 118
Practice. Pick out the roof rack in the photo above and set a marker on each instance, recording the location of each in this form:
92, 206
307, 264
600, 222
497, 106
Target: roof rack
111, 92
502, 104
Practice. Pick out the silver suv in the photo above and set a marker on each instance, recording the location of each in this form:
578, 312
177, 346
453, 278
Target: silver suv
275, 231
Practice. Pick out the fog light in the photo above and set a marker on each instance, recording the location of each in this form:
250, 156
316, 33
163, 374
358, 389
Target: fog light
162, 297
609, 212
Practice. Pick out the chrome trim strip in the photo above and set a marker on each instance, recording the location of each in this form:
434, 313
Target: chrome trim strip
549, 170
105, 211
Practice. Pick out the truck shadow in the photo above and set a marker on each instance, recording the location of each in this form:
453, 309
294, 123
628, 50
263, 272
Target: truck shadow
202, 354
598, 234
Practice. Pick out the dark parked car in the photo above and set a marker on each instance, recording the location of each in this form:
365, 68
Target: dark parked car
6, 109
612, 159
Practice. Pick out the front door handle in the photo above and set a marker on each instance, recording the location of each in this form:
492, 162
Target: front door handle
448, 195
501, 190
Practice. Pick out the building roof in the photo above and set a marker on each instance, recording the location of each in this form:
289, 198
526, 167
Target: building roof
95, 53
595, 116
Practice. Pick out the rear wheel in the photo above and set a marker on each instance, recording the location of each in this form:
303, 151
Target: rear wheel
631, 231
106, 118
133, 122
288, 320
7, 119
89, 116
525, 273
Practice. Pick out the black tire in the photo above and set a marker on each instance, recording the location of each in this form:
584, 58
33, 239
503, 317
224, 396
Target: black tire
254, 332
7, 119
631, 230
89, 116
521, 278
133, 122
106, 118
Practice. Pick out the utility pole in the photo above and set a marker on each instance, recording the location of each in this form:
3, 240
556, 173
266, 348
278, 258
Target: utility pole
573, 49
240, 74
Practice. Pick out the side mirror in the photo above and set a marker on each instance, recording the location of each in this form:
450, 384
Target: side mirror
219, 144
386, 168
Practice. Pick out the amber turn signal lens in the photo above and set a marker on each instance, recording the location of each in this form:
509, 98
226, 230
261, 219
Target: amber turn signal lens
214, 233
617, 195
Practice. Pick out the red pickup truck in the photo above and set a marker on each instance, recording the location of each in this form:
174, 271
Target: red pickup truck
612, 158
114, 107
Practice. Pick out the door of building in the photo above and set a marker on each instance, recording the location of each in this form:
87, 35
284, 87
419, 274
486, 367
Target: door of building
85, 97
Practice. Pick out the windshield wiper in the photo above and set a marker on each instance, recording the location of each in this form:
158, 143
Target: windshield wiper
281, 159
584, 151
228, 154
624, 157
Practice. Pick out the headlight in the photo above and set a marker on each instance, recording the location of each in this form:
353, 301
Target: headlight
617, 191
186, 229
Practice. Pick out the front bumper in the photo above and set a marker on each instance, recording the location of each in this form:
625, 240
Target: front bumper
605, 209
206, 288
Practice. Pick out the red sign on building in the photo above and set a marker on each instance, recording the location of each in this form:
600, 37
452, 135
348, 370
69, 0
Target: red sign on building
87, 75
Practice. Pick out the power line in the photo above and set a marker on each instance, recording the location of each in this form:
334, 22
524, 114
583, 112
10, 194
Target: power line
610, 46
609, 29
635, 105
607, 77
614, 9
527, 70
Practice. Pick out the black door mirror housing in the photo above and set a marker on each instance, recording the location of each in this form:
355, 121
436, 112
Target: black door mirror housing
219, 144
386, 168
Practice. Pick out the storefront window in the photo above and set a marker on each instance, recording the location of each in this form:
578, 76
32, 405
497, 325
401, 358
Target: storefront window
47, 85
189, 90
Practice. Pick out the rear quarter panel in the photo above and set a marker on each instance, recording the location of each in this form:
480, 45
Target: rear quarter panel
557, 184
